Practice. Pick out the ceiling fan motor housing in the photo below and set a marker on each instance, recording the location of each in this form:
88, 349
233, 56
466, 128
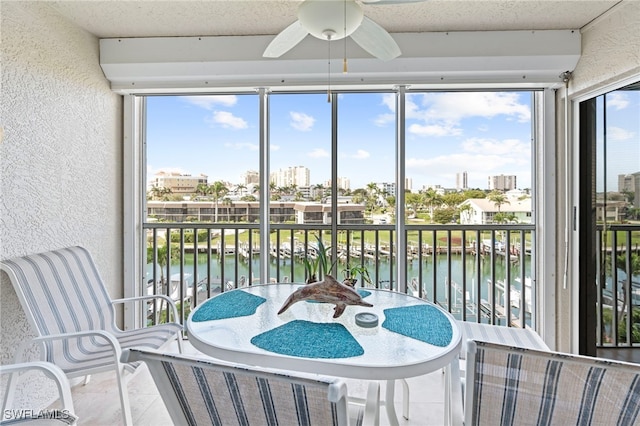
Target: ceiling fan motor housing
325, 19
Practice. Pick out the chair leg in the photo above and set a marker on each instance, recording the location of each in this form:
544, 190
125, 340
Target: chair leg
180, 344
124, 395
87, 379
372, 405
10, 390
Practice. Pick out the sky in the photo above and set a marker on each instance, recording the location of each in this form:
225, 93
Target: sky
617, 137
482, 133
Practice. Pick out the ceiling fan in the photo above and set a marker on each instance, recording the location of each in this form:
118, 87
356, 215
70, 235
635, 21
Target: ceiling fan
335, 20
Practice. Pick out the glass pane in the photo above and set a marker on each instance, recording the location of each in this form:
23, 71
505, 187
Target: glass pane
366, 156
300, 157
618, 214
202, 162
469, 146
204, 149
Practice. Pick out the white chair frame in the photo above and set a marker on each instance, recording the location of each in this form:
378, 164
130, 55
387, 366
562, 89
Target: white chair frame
69, 308
65, 415
205, 391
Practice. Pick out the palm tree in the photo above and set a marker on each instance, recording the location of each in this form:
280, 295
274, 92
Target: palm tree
202, 189
241, 188
218, 189
414, 201
498, 198
228, 203
462, 208
318, 192
431, 199
160, 193
372, 196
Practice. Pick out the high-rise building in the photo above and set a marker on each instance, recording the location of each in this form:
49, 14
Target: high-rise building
461, 181
178, 183
502, 182
343, 183
298, 176
630, 183
251, 177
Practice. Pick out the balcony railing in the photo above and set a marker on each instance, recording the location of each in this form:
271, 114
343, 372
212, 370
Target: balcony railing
464, 268
618, 279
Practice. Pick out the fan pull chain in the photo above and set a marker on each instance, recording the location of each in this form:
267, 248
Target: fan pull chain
344, 64
329, 69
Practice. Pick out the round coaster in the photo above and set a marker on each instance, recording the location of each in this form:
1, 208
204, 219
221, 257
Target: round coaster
366, 319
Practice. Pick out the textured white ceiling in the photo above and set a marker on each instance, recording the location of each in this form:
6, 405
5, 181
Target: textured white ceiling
120, 19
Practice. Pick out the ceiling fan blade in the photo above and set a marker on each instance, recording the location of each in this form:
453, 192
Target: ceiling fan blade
376, 40
286, 40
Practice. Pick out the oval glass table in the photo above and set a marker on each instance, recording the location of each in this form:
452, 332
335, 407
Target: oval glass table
413, 336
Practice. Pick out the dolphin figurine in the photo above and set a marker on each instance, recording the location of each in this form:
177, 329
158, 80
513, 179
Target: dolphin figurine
329, 291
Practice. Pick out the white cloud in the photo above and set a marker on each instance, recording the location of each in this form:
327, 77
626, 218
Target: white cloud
444, 129
361, 154
301, 121
479, 157
619, 134
228, 120
507, 147
208, 102
319, 153
244, 146
384, 119
388, 100
617, 100
441, 114
459, 105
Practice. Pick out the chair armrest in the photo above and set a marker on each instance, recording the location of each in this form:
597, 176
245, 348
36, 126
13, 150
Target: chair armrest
111, 340
171, 303
54, 373
50, 370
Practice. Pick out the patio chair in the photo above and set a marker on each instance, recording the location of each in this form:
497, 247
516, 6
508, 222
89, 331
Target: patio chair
61, 416
510, 336
201, 391
515, 386
67, 305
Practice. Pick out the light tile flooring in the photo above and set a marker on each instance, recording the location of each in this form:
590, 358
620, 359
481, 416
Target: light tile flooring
97, 403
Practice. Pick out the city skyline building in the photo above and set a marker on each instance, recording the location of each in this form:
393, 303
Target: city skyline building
630, 183
462, 181
178, 183
502, 182
296, 175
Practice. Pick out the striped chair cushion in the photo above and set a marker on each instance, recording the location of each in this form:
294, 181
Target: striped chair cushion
514, 386
200, 391
62, 292
225, 398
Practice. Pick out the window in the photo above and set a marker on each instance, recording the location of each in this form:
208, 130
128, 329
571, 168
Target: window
334, 172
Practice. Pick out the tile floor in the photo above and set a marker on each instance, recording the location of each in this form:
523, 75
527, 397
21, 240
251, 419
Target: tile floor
97, 403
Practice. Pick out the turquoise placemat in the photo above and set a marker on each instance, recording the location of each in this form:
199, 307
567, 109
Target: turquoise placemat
422, 322
235, 303
308, 339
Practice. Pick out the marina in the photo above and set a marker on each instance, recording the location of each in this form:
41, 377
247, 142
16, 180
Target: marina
427, 276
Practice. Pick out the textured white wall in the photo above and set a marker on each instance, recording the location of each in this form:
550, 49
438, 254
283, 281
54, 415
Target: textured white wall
610, 50
60, 155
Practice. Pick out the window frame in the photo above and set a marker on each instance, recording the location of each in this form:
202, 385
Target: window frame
543, 181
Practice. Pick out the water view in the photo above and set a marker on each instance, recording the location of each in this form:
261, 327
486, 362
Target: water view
470, 280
